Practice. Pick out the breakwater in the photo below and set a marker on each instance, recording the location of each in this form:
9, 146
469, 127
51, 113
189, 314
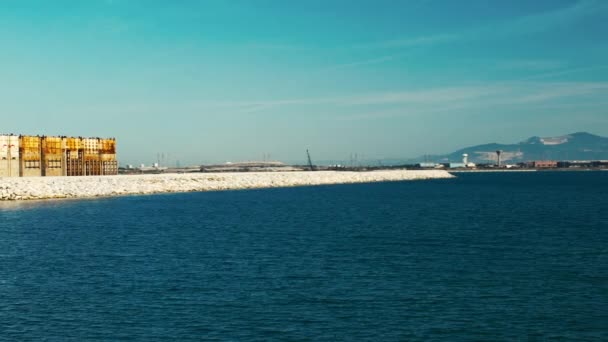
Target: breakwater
32, 188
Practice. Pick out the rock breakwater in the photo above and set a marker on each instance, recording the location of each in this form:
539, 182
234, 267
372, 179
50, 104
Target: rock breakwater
30, 188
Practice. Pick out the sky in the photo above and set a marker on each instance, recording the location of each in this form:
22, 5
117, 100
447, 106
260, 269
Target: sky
216, 81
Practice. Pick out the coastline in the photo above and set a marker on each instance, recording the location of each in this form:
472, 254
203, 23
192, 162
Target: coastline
529, 170
45, 188
496, 170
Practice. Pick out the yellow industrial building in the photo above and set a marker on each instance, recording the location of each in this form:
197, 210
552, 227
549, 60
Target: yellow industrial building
31, 156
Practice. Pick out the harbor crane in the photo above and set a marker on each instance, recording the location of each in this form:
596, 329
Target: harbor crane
312, 168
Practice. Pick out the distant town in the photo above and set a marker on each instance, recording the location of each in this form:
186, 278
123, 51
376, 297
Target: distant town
464, 165
575, 151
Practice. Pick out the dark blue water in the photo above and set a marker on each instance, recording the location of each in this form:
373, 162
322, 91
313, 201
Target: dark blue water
500, 256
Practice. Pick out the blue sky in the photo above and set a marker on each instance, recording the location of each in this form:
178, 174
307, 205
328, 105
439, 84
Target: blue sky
215, 81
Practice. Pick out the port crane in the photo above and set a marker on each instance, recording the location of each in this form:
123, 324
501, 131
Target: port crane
312, 168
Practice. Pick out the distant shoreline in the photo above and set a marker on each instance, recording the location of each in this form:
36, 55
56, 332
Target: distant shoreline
528, 170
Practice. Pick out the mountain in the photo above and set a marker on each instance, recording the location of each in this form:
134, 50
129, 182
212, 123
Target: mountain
576, 146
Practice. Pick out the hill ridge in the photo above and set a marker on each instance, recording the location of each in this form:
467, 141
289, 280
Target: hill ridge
573, 146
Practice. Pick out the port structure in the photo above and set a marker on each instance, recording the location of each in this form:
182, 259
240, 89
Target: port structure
35, 156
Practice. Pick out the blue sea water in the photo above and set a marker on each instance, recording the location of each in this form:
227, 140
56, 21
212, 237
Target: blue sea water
485, 256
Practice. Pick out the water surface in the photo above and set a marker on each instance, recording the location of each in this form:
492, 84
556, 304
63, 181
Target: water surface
486, 256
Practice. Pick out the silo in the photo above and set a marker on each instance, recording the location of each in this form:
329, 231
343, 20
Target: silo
52, 156
92, 161
9, 156
74, 158
107, 154
31, 156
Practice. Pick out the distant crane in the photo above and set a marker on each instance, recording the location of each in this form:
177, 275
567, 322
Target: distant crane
312, 168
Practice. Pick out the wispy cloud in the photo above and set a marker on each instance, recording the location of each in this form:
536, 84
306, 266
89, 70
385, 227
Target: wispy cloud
561, 90
372, 61
413, 41
490, 98
440, 99
530, 64
371, 99
565, 72
535, 23
518, 26
273, 46
566, 96
428, 96
550, 20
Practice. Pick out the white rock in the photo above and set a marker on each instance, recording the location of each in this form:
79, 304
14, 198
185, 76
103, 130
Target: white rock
93, 186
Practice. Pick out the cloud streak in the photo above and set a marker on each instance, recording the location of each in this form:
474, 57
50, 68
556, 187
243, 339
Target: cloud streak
565, 72
494, 94
372, 61
515, 27
531, 24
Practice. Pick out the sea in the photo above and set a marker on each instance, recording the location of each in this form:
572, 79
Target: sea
503, 256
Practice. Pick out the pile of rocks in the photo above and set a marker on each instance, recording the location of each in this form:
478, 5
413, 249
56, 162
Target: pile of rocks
96, 186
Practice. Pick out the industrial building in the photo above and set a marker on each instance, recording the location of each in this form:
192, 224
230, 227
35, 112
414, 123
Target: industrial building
544, 164
35, 156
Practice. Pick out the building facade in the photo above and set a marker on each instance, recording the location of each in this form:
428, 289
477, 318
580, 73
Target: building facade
544, 164
35, 156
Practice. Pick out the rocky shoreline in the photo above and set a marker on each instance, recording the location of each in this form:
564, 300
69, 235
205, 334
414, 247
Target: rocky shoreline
35, 188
